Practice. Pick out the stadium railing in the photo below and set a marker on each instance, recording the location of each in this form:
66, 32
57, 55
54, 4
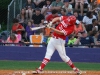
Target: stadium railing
28, 43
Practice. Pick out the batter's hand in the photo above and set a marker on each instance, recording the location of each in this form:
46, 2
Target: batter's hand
49, 25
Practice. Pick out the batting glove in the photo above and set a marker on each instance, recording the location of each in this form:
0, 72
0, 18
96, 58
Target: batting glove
48, 26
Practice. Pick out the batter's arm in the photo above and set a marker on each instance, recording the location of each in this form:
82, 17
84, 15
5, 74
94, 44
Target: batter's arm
57, 31
56, 19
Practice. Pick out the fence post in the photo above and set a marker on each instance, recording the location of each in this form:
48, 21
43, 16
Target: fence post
0, 26
21, 5
8, 19
14, 7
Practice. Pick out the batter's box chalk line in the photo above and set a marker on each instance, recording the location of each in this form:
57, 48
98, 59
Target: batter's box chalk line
60, 72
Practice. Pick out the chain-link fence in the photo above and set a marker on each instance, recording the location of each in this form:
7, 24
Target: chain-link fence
13, 10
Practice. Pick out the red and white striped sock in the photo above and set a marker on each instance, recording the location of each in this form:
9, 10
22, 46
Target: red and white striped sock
70, 63
44, 63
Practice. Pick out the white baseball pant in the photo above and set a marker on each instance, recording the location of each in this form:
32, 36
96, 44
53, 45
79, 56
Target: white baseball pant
59, 45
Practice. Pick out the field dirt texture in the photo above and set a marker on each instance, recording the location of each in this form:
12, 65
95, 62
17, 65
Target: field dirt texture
22, 72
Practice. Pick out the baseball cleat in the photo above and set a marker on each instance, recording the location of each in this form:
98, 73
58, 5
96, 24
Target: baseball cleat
38, 71
77, 71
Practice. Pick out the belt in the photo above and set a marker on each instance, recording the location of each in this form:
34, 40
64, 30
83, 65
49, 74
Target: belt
57, 37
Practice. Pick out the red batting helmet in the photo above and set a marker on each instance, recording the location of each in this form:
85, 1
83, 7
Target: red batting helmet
72, 20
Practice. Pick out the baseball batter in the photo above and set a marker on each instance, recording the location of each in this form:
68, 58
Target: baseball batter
57, 42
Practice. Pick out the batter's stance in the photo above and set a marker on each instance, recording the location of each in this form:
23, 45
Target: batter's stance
57, 42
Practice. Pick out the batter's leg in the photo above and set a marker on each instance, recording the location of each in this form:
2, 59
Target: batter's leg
62, 52
49, 53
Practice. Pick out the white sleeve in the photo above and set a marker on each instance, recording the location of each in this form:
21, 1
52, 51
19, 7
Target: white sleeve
89, 6
84, 18
70, 7
94, 17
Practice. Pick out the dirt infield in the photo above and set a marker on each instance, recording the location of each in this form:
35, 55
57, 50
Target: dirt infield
13, 72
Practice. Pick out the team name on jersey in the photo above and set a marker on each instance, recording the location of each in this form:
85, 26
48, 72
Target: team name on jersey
64, 24
61, 28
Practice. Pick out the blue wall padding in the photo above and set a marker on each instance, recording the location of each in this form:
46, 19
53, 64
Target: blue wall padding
37, 54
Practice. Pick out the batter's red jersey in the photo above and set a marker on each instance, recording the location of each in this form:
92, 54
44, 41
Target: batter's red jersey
63, 26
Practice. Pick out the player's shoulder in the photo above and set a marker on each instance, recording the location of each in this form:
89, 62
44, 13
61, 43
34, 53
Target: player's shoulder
64, 17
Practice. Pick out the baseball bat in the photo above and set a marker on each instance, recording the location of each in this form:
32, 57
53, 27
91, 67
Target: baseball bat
37, 28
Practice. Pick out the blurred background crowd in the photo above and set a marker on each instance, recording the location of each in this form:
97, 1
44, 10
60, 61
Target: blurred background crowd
36, 13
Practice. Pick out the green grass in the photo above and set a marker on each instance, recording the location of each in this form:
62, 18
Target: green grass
31, 65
